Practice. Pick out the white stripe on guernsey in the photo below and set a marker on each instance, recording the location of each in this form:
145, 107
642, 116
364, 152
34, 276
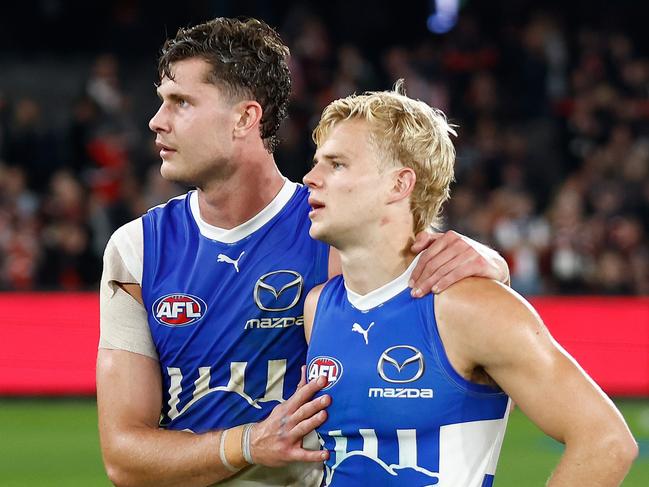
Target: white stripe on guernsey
255, 223
407, 447
202, 384
384, 293
468, 451
407, 441
275, 381
237, 380
495, 452
340, 447
370, 443
175, 378
236, 384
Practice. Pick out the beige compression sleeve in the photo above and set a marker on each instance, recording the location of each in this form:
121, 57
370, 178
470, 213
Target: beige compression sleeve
123, 320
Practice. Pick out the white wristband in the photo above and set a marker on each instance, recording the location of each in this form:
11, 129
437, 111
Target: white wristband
222, 456
245, 443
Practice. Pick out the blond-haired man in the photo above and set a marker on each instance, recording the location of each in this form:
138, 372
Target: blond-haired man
421, 389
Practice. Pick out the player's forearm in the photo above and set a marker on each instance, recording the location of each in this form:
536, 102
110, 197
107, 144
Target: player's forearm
145, 456
603, 463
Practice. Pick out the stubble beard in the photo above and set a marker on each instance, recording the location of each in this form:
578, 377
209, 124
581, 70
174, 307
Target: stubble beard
168, 174
215, 172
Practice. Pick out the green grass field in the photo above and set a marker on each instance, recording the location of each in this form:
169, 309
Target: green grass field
54, 443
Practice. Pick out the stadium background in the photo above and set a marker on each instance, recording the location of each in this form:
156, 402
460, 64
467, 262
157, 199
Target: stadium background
552, 100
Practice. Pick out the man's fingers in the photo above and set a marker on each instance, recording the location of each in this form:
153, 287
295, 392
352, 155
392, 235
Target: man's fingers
461, 266
302, 377
304, 394
308, 425
302, 455
434, 268
430, 253
423, 240
310, 409
474, 265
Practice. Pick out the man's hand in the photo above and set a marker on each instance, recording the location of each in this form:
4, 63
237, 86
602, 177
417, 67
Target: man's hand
277, 441
450, 257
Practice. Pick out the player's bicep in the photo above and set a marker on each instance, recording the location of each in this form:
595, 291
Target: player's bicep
310, 305
491, 326
129, 392
549, 386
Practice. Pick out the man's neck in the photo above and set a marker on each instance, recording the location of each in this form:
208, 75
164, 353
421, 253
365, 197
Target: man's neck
377, 262
230, 202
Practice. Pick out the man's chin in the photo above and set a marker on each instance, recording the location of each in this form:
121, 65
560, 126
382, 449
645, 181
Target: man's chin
313, 232
169, 173
318, 233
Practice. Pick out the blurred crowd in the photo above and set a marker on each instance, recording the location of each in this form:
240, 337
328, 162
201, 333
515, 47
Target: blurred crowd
552, 167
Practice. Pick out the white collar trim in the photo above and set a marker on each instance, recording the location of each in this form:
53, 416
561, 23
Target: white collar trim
247, 228
384, 293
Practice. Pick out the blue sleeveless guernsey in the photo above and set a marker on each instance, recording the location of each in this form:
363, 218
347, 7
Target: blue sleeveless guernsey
400, 414
227, 318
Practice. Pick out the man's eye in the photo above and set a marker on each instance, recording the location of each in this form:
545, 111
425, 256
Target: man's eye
337, 165
182, 103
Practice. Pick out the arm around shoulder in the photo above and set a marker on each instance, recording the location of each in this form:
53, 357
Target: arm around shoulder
494, 328
449, 257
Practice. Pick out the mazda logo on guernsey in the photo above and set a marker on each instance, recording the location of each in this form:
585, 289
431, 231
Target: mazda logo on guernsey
278, 290
178, 309
328, 367
401, 364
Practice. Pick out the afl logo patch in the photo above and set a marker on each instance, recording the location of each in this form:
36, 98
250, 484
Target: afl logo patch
178, 309
327, 367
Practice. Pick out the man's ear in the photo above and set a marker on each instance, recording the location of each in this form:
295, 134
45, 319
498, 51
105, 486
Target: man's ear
403, 184
249, 114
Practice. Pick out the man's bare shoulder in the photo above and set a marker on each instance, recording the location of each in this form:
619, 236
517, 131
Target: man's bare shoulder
314, 294
310, 305
482, 299
486, 317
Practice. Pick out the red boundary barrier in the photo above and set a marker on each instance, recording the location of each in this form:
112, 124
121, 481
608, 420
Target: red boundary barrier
48, 341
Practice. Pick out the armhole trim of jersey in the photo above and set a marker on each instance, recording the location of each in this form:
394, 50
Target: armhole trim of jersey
452, 375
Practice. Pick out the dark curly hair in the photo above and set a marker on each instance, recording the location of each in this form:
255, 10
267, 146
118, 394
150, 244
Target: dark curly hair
248, 59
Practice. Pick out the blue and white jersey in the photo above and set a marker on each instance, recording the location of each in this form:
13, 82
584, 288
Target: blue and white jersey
400, 414
225, 308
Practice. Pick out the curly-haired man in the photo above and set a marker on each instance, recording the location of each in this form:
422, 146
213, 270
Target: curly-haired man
202, 298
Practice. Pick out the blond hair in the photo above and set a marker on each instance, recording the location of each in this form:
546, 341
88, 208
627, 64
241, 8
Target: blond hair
406, 132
